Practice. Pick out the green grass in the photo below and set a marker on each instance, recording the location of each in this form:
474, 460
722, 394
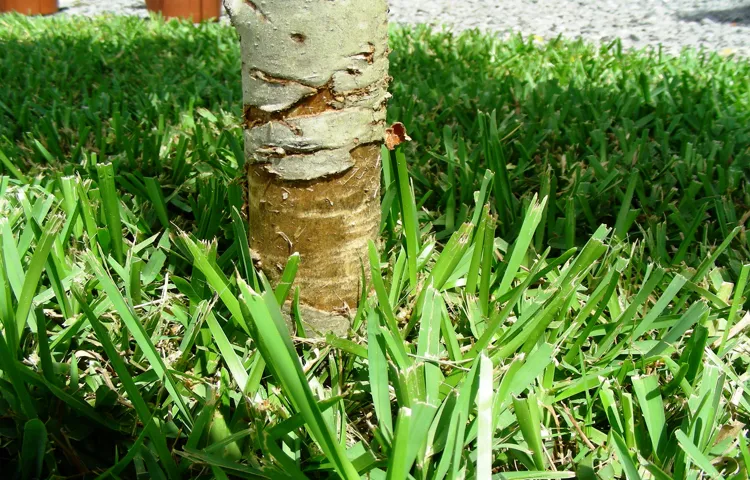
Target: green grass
561, 290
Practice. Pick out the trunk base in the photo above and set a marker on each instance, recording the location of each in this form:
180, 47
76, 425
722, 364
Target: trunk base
328, 221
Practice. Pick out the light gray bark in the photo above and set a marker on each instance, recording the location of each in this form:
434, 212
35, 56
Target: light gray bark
315, 78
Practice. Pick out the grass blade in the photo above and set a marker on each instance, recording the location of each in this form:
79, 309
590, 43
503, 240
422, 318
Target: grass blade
34, 273
272, 337
136, 329
227, 352
485, 418
522, 243
287, 279
33, 449
737, 301
119, 366
409, 217
527, 413
652, 407
696, 456
626, 460
111, 206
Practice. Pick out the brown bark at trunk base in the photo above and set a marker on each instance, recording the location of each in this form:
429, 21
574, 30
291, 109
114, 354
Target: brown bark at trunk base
327, 220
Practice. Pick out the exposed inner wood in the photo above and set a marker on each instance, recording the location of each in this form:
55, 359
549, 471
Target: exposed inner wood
327, 220
312, 105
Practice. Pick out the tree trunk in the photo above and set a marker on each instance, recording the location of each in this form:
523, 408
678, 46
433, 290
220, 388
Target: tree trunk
315, 78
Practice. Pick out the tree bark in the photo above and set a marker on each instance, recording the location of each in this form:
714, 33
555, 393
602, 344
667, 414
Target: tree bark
315, 79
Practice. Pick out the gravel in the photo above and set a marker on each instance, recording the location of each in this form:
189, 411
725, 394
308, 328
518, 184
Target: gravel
718, 25
90, 8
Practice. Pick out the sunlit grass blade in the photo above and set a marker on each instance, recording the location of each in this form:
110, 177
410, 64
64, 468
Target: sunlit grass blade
111, 206
444, 266
218, 281
227, 352
428, 348
408, 217
485, 418
287, 278
398, 463
487, 257
378, 374
696, 456
273, 340
453, 449
34, 273
379, 286
607, 398
472, 278
626, 460
694, 314
221, 438
737, 301
529, 420
652, 408
522, 243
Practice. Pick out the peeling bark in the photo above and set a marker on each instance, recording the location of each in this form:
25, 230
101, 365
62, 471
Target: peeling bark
315, 78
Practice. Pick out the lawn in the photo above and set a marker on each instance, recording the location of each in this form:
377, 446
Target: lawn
560, 289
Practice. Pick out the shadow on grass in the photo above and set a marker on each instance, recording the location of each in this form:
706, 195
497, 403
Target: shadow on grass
572, 120
91, 68
580, 123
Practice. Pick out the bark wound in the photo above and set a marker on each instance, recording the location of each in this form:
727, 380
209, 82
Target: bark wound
257, 10
312, 105
369, 54
327, 220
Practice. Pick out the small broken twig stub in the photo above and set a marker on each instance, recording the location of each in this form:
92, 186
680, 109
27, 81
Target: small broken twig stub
395, 135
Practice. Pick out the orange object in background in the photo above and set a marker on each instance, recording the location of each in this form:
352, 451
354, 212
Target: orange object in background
29, 7
197, 10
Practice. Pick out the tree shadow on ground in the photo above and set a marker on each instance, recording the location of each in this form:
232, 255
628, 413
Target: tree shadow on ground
111, 86
738, 15
580, 118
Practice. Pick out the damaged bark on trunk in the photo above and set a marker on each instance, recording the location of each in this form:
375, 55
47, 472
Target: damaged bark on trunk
315, 79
